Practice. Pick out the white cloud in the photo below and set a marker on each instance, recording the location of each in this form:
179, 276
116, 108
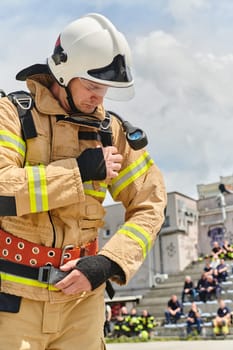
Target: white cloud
183, 9
185, 102
183, 76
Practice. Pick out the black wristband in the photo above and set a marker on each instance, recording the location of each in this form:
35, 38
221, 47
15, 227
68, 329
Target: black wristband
98, 269
91, 164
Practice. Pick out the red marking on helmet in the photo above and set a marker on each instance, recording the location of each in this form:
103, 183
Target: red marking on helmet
58, 42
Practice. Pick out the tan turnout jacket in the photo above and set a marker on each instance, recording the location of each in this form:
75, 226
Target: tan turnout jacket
54, 207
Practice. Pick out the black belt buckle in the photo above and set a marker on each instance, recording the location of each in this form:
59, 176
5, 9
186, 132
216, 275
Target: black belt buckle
51, 275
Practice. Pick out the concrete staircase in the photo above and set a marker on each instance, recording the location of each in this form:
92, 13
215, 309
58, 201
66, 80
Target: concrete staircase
155, 301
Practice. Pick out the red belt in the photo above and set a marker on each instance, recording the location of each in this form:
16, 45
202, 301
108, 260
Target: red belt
21, 251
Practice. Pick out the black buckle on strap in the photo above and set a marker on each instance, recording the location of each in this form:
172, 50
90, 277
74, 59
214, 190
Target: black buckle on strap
51, 275
44, 274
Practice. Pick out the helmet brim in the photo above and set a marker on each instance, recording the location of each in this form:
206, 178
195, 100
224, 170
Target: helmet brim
32, 70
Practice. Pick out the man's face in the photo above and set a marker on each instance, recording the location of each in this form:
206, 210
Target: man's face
86, 94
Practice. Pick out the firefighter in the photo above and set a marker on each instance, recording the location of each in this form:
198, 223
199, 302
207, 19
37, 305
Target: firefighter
147, 323
134, 322
60, 153
122, 324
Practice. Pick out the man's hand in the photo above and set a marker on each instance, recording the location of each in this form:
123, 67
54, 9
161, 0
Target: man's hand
75, 282
88, 273
113, 161
99, 163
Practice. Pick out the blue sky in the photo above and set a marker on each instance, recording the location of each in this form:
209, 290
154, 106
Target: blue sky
183, 68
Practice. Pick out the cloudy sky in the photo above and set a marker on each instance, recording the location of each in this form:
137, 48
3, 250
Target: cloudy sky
183, 68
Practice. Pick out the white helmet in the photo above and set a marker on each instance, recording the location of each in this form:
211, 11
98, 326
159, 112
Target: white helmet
92, 48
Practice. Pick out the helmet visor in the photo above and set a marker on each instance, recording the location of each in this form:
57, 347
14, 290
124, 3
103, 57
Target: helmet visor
117, 77
95, 88
113, 93
120, 93
116, 71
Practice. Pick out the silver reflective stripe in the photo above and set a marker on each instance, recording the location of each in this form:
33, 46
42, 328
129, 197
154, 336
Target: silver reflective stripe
8, 139
37, 187
91, 191
130, 174
139, 235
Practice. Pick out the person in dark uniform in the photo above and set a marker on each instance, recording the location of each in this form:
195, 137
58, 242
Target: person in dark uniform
174, 310
194, 319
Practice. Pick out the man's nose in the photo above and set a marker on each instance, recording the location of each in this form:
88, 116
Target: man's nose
96, 98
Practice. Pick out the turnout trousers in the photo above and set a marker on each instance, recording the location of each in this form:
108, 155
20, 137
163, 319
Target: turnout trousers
40, 325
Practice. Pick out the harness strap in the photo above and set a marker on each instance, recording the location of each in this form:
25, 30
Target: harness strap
105, 131
21, 251
24, 103
88, 135
19, 270
44, 274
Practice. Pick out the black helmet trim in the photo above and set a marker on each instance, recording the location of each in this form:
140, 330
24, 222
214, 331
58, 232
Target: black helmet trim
32, 70
116, 71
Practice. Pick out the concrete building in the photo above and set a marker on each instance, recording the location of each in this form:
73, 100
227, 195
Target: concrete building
215, 211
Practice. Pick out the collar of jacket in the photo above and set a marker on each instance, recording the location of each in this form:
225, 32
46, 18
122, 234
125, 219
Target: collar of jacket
47, 104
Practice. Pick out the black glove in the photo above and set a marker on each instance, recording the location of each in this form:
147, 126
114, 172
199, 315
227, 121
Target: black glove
91, 164
98, 269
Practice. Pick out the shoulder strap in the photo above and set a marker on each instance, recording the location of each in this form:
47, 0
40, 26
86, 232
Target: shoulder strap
24, 104
105, 130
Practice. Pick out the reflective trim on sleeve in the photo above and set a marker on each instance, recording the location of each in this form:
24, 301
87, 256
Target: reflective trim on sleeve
139, 235
91, 191
12, 141
130, 174
25, 281
37, 187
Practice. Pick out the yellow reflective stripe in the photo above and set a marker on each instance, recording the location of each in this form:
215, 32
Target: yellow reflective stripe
89, 189
130, 174
138, 234
37, 187
10, 140
25, 281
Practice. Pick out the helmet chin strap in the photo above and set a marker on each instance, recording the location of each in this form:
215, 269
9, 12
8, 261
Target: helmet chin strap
70, 100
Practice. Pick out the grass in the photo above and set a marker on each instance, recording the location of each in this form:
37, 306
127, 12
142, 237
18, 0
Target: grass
124, 339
